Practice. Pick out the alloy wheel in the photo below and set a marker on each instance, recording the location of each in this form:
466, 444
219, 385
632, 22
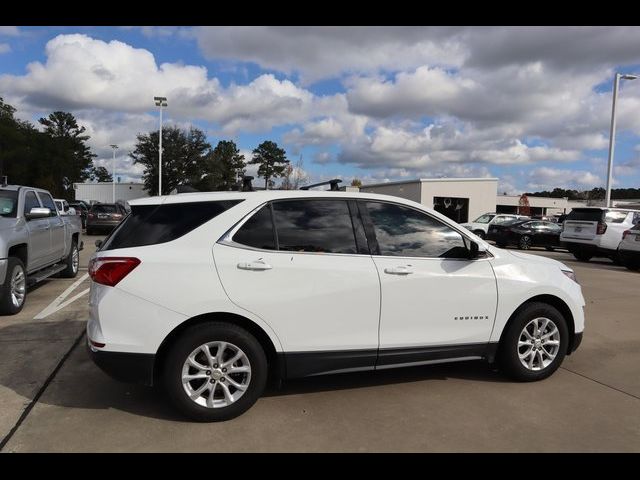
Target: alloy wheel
18, 286
538, 344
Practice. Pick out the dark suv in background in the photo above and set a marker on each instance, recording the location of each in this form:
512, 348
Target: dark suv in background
104, 217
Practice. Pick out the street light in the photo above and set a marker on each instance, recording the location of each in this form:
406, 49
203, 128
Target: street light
612, 132
113, 168
160, 102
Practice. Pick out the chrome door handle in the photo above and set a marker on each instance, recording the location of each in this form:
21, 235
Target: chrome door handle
401, 270
257, 265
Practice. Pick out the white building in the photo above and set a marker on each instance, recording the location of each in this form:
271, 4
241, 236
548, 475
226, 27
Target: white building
103, 191
461, 199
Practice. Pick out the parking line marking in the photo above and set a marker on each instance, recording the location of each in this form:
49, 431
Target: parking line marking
57, 304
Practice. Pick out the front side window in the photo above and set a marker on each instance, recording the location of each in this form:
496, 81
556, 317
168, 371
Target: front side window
30, 201
314, 226
258, 231
405, 232
47, 202
484, 219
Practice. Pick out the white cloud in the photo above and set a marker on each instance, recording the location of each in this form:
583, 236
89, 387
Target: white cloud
4, 48
545, 178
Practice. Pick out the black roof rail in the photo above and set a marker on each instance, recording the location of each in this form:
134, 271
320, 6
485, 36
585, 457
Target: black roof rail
334, 185
186, 189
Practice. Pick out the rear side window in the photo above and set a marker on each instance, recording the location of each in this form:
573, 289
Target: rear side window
615, 217
153, 224
314, 226
258, 231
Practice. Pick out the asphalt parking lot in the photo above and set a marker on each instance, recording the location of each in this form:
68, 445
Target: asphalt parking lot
592, 404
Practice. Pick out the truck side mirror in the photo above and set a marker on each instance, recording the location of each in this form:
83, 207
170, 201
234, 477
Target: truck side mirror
38, 212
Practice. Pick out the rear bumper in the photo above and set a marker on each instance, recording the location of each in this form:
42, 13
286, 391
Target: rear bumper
94, 224
125, 367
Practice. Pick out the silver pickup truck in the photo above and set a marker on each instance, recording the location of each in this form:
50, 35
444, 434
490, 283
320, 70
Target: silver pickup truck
36, 242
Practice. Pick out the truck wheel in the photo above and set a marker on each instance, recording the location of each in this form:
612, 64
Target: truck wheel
215, 371
72, 262
14, 291
534, 344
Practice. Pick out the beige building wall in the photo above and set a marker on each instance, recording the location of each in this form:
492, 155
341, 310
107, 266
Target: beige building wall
409, 190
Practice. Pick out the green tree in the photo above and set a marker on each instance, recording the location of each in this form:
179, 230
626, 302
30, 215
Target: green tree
271, 161
100, 174
69, 158
224, 166
356, 182
184, 154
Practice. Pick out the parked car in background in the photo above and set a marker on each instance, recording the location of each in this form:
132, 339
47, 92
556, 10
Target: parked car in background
480, 226
81, 209
629, 248
63, 207
526, 234
104, 217
596, 232
208, 294
36, 242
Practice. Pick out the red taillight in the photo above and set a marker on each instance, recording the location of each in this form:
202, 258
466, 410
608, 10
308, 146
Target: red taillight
602, 227
625, 233
110, 270
116, 215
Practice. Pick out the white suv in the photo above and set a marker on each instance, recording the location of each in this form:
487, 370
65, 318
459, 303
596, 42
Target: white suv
209, 293
596, 232
480, 226
629, 248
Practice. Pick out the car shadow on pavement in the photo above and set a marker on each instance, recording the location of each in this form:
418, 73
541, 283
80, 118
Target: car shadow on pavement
29, 353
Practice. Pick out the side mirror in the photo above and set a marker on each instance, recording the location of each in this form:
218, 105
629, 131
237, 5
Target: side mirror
37, 212
473, 250
98, 243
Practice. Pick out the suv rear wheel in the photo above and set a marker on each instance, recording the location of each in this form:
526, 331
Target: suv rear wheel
215, 371
535, 343
582, 255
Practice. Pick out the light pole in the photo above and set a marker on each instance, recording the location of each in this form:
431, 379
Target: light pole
113, 168
612, 132
160, 102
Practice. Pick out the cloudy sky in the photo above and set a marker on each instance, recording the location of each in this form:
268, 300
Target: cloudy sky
529, 105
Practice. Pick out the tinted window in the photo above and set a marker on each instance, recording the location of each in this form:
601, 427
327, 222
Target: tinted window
30, 201
258, 231
586, 214
314, 226
47, 202
104, 209
403, 231
152, 224
8, 203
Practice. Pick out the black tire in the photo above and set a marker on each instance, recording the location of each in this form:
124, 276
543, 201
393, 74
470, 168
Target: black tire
501, 245
634, 267
549, 249
582, 255
199, 335
70, 271
524, 243
6, 304
480, 233
508, 350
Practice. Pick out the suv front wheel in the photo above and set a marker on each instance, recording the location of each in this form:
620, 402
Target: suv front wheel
215, 371
535, 343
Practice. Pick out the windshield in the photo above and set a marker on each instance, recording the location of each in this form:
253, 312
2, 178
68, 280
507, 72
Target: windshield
8, 203
484, 219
